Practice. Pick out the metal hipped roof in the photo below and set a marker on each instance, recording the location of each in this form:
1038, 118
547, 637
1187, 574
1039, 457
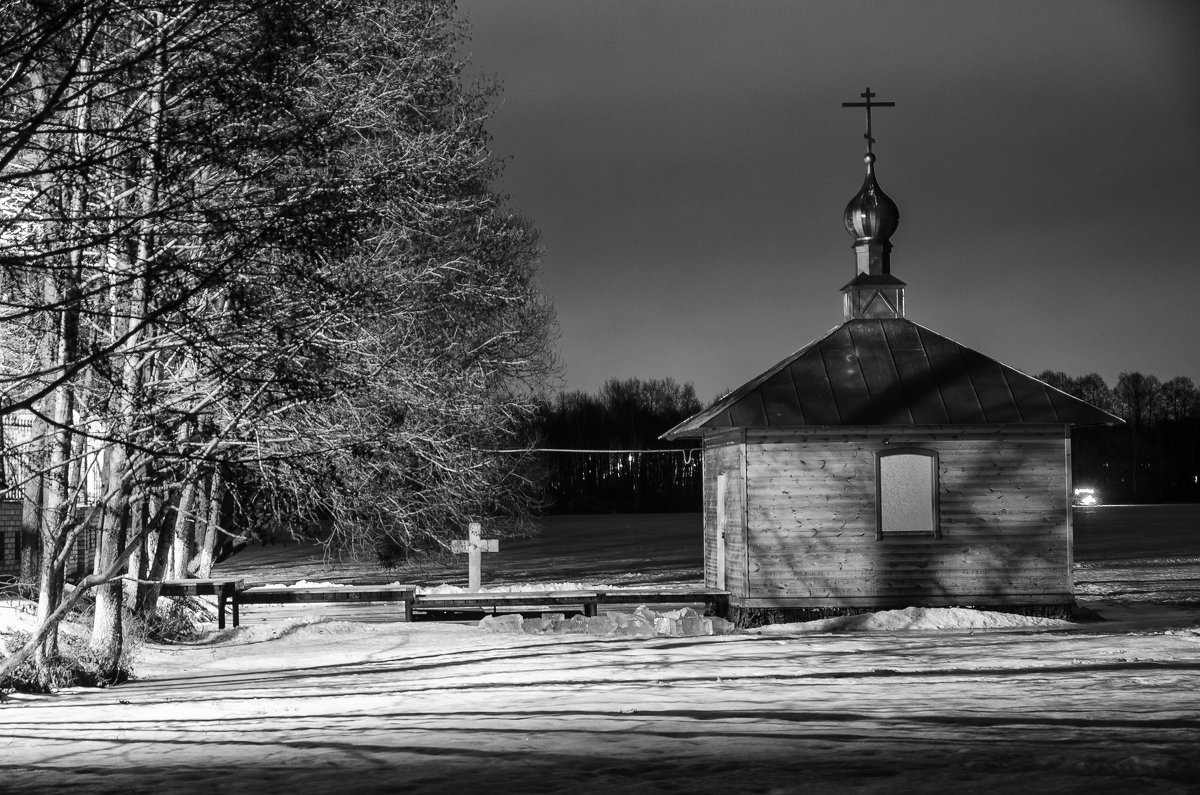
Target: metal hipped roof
890, 372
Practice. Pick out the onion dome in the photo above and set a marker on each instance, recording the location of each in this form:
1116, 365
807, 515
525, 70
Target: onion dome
871, 216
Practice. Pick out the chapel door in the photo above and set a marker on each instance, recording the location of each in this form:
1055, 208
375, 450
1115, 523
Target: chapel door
722, 523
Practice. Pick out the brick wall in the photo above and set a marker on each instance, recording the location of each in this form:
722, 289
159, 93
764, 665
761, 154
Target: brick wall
10, 534
79, 560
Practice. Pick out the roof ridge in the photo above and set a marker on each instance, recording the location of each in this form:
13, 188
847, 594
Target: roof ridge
965, 384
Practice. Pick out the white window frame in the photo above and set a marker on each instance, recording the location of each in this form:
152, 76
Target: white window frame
934, 528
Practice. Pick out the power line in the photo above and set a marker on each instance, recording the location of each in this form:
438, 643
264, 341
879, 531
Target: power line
688, 451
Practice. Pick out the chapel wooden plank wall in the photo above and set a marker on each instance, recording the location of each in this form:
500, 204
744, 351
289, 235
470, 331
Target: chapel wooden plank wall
811, 529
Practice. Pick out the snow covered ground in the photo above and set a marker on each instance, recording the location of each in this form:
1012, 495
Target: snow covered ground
337, 701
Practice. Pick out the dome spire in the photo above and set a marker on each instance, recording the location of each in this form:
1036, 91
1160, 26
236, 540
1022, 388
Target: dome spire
871, 218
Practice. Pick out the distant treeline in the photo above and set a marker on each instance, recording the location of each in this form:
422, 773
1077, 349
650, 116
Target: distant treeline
1153, 456
627, 415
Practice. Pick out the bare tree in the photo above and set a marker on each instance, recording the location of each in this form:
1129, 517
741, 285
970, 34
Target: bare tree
126, 225
250, 248
446, 337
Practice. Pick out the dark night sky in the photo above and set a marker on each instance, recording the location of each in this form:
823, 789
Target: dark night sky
688, 161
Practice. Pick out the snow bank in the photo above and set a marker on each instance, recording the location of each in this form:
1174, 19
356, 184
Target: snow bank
17, 615
641, 623
310, 627
20, 615
916, 618
686, 622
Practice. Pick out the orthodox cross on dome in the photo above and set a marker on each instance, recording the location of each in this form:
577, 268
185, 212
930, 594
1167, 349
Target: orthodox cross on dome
868, 96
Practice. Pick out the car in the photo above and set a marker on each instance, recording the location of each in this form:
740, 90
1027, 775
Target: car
1086, 497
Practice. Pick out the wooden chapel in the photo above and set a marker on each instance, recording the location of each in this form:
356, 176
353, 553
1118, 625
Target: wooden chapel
885, 465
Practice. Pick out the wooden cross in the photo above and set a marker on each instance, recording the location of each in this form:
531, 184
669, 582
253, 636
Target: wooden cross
867, 95
473, 548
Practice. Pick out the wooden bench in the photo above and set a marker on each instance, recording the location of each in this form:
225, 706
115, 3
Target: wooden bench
587, 601
224, 590
257, 595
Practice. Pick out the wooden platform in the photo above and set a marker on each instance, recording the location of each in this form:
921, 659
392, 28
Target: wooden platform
442, 606
429, 606
405, 594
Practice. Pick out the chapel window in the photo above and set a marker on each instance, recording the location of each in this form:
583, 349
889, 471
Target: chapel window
906, 492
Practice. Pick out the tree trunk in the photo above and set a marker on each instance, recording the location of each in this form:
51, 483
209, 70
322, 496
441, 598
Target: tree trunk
157, 544
31, 527
108, 630
108, 626
139, 562
59, 519
212, 524
50, 583
149, 590
181, 543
